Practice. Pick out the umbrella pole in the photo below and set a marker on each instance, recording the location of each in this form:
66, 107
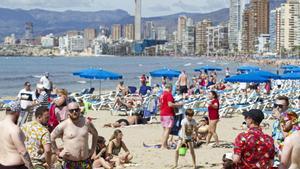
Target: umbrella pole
100, 89
90, 83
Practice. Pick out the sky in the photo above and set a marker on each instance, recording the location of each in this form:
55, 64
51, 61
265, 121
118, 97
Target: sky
149, 7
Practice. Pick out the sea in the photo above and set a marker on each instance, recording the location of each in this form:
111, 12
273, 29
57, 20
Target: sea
14, 71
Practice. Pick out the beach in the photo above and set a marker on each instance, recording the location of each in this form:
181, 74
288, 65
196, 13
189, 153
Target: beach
152, 158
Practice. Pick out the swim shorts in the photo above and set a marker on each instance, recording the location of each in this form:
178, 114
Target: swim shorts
84, 164
183, 89
13, 167
167, 121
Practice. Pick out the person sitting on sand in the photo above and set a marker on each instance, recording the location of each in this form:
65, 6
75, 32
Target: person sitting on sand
188, 126
202, 129
122, 89
131, 120
100, 157
114, 148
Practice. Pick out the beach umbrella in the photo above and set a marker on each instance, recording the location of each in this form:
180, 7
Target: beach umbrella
289, 67
170, 73
291, 76
77, 73
248, 68
99, 74
208, 68
266, 74
247, 78
293, 70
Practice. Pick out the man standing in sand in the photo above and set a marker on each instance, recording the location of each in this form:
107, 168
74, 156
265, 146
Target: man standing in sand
47, 84
27, 100
253, 148
167, 113
74, 132
13, 154
37, 139
183, 82
291, 152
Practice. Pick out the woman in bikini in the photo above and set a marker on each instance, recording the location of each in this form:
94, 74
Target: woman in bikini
100, 157
114, 148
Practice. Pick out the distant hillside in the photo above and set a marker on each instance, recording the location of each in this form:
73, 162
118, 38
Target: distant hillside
44, 22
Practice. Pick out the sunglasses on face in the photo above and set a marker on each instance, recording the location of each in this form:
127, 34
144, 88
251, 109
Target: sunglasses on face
74, 110
278, 105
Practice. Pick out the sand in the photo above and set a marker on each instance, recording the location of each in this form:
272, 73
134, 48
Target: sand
151, 158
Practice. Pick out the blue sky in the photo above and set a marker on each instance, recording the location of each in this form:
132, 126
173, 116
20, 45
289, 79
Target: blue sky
149, 7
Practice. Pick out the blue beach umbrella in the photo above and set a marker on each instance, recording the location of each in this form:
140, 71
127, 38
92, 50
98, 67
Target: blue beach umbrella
208, 68
170, 73
99, 74
289, 67
247, 78
293, 70
266, 74
291, 76
248, 68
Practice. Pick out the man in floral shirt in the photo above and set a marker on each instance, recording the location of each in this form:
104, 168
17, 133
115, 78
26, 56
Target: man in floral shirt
253, 149
37, 139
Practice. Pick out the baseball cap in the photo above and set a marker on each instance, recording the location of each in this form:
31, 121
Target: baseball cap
255, 114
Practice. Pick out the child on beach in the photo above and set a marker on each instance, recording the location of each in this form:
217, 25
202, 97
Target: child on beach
114, 148
188, 127
100, 157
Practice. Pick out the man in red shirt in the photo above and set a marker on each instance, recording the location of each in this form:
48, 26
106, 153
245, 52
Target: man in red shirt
254, 149
167, 113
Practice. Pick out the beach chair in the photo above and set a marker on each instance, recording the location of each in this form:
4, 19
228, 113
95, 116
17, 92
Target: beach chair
150, 106
131, 89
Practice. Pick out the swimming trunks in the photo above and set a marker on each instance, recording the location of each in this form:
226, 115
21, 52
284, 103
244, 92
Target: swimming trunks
84, 164
13, 167
183, 89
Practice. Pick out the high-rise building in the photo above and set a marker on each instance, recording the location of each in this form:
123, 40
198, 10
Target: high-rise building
149, 31
235, 23
278, 29
201, 36
181, 27
290, 24
272, 31
76, 43
116, 32
161, 33
89, 35
129, 32
255, 23
217, 39
73, 33
137, 20
10, 40
28, 31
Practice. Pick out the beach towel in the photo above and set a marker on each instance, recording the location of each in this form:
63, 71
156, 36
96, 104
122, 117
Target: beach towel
52, 122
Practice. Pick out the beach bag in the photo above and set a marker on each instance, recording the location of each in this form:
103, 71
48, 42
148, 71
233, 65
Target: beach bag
52, 122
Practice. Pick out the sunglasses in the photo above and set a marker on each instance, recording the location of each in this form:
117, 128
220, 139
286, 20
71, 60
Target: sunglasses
74, 110
278, 105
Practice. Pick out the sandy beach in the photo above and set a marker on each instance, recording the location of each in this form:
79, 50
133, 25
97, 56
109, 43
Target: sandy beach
151, 158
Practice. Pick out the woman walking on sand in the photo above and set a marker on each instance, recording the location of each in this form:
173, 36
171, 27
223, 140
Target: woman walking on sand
213, 114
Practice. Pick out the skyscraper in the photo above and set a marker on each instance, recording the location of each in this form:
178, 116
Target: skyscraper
161, 33
89, 36
255, 23
201, 36
149, 31
181, 27
28, 31
235, 23
137, 20
290, 24
116, 32
129, 32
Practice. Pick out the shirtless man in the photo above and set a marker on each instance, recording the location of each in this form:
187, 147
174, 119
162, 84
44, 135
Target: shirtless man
13, 153
291, 152
74, 133
183, 82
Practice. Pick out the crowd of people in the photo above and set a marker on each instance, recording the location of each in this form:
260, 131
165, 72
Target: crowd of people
32, 142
